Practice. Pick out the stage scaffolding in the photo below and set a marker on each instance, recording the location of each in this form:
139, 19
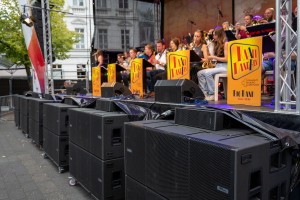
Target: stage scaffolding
287, 41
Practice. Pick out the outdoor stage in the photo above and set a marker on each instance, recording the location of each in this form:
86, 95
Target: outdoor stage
265, 112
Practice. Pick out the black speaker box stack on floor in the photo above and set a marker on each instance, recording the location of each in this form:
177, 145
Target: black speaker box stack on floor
36, 119
55, 133
183, 162
24, 114
97, 151
16, 104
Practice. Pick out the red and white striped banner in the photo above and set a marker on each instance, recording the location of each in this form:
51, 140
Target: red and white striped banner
34, 52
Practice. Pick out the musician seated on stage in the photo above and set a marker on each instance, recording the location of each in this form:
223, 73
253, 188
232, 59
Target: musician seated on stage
160, 64
206, 76
125, 73
67, 84
173, 46
126, 76
200, 48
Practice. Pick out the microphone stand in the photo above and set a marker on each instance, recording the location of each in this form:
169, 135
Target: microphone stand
218, 17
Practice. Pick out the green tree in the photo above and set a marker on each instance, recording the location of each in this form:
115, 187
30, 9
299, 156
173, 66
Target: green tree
12, 42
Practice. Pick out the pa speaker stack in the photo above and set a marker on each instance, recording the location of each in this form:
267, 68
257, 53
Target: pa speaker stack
177, 91
55, 133
182, 162
36, 119
97, 151
24, 113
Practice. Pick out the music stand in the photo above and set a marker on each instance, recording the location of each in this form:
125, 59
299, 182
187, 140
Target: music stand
268, 45
194, 57
230, 36
261, 29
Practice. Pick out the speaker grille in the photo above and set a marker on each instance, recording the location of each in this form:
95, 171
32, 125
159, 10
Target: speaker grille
212, 171
167, 163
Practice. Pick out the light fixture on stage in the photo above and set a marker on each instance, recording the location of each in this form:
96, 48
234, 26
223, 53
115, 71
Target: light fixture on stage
28, 21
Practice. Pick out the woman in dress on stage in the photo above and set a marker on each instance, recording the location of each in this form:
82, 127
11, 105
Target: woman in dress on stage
206, 76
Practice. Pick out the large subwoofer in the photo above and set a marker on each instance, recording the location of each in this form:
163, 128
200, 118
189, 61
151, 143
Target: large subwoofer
177, 91
114, 89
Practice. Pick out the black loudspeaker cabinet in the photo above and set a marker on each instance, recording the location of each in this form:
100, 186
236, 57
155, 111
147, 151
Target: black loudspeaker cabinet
24, 113
104, 179
203, 118
107, 104
56, 118
135, 142
56, 148
36, 132
235, 166
16, 104
177, 91
180, 162
36, 108
107, 134
114, 89
137, 191
80, 125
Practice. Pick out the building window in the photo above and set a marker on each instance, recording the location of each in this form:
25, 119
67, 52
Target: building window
57, 72
101, 3
125, 39
81, 71
77, 2
123, 3
103, 39
80, 43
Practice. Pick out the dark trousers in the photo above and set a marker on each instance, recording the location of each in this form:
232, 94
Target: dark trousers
152, 77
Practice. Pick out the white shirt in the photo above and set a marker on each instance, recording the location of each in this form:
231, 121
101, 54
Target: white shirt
162, 58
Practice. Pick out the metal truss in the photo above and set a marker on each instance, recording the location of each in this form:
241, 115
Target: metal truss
49, 84
286, 85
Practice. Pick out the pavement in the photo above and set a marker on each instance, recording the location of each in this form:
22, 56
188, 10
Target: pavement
25, 174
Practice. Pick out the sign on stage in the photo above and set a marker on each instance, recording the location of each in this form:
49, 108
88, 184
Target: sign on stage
178, 64
244, 71
96, 81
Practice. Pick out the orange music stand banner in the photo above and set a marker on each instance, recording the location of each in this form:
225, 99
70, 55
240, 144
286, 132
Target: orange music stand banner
244, 71
178, 65
111, 73
96, 81
137, 74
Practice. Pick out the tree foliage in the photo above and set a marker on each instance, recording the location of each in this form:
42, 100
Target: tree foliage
12, 42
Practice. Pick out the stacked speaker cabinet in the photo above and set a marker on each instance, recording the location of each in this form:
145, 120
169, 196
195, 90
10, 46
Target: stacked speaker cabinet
36, 119
55, 133
181, 162
16, 102
97, 151
24, 114
107, 104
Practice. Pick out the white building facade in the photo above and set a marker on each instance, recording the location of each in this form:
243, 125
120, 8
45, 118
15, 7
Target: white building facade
78, 65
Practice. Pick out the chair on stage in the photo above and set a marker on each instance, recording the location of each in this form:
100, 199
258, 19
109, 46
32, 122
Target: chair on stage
220, 78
